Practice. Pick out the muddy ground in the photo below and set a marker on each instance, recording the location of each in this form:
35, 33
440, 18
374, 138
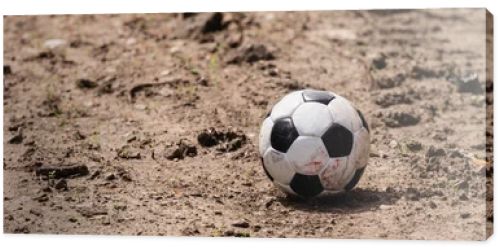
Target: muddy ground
148, 124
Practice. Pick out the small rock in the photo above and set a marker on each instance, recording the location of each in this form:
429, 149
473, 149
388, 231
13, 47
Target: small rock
61, 185
469, 84
182, 149
95, 174
106, 221
414, 146
88, 211
35, 212
227, 140
251, 54
110, 176
419, 73
393, 144
79, 135
62, 171
374, 154
465, 215
41, 198
85, 83
379, 62
400, 118
72, 219
390, 81
140, 107
53, 44
7, 70
17, 138
213, 23
241, 224
435, 152
126, 152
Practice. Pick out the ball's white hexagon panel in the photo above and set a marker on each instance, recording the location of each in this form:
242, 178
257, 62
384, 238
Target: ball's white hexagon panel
265, 135
344, 113
362, 148
350, 168
287, 105
308, 155
312, 119
278, 166
332, 175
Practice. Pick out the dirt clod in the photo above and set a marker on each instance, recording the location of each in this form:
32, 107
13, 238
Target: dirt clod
401, 119
252, 54
213, 23
379, 62
241, 224
182, 149
7, 70
414, 146
85, 83
17, 138
435, 152
227, 140
468, 84
61, 171
61, 185
127, 152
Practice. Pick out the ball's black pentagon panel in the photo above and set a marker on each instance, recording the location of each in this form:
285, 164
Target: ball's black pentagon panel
306, 185
283, 134
365, 125
265, 170
354, 181
322, 97
338, 141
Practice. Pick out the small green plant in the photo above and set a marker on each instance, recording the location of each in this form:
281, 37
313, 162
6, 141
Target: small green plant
214, 68
52, 174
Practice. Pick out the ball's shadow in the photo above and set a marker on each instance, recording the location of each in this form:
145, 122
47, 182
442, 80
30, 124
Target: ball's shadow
355, 201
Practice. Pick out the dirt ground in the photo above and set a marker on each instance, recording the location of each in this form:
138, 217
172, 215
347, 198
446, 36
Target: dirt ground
148, 124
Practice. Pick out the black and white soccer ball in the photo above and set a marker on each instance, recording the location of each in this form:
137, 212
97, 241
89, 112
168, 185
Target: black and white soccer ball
314, 142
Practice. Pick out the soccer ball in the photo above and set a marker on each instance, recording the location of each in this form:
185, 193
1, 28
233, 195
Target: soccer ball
314, 142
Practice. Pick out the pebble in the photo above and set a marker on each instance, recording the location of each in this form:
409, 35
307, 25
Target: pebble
110, 176
384, 207
7, 70
379, 62
53, 44
140, 106
465, 215
414, 146
241, 224
83, 83
61, 185
393, 144
17, 138
435, 152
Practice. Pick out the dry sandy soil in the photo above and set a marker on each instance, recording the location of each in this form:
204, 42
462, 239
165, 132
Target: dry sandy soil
148, 124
